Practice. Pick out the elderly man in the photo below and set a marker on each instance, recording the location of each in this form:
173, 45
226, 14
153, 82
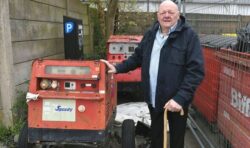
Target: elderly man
171, 62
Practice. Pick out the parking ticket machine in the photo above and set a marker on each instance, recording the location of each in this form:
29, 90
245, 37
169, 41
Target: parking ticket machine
73, 38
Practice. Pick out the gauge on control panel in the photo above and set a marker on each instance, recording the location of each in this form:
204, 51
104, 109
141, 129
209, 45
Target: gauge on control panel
121, 48
131, 49
70, 85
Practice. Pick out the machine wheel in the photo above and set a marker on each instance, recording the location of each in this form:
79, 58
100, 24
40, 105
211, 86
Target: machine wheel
128, 134
23, 137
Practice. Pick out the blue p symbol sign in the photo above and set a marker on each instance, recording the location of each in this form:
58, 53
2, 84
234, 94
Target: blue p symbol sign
69, 27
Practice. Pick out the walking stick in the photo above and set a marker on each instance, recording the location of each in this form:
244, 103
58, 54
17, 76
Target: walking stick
165, 134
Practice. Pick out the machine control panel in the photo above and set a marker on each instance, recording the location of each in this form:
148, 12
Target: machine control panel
122, 48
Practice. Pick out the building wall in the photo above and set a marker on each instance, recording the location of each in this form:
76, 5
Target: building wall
229, 8
37, 31
222, 7
139, 22
216, 24
36, 28
6, 65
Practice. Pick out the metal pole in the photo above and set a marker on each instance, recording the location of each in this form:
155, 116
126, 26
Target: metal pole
184, 8
147, 5
201, 132
179, 4
195, 134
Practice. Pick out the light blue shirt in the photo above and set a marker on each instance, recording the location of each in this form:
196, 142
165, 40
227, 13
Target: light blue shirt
159, 41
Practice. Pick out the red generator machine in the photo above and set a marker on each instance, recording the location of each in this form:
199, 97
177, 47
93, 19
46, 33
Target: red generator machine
119, 48
71, 102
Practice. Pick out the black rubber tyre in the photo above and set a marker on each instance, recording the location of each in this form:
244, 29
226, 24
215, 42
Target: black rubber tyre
128, 134
23, 137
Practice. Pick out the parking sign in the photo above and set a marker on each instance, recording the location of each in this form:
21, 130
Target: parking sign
69, 27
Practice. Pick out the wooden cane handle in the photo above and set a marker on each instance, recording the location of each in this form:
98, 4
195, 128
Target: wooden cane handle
165, 132
182, 112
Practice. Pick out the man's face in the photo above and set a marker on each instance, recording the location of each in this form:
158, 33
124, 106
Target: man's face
167, 15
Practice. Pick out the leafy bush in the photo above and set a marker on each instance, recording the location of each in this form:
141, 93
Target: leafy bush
99, 40
19, 111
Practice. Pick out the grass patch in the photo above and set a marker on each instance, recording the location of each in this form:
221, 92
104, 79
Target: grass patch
19, 111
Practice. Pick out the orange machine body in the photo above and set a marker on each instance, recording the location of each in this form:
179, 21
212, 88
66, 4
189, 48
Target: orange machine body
79, 101
119, 48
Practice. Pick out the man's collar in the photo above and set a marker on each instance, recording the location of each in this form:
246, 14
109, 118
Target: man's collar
169, 31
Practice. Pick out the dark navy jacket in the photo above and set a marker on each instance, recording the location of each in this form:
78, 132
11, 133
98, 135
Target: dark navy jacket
180, 66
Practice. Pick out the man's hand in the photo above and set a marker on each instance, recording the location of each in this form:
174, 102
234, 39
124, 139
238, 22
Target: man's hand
173, 106
110, 66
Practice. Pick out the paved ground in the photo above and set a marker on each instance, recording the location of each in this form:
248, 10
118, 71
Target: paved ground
211, 132
190, 141
141, 142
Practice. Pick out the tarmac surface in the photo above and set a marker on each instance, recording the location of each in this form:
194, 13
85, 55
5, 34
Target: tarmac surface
143, 142
210, 130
